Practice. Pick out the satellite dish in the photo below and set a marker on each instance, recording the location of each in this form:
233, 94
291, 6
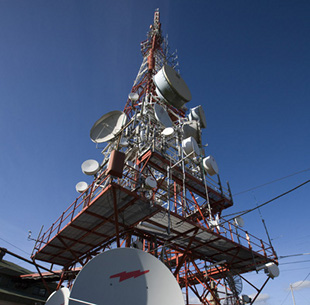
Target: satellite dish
133, 96
191, 129
172, 87
81, 187
162, 116
90, 167
189, 146
127, 276
198, 114
210, 165
107, 126
239, 221
168, 131
59, 297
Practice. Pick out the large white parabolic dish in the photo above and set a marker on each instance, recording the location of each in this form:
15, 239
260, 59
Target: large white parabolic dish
59, 297
107, 126
125, 276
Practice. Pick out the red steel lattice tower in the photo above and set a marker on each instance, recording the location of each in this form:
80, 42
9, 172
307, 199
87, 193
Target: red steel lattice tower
150, 193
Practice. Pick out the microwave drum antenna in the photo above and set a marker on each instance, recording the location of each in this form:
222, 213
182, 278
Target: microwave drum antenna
81, 187
190, 146
127, 276
106, 128
191, 129
210, 165
239, 221
90, 167
198, 114
171, 87
133, 96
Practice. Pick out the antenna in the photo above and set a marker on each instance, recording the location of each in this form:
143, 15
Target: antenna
81, 187
133, 96
107, 127
130, 276
168, 131
90, 167
190, 146
171, 87
239, 221
60, 296
191, 129
210, 165
162, 116
198, 114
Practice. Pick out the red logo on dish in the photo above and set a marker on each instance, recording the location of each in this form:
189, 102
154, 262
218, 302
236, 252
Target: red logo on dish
123, 276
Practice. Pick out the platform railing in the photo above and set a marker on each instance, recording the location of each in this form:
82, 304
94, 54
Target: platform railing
131, 179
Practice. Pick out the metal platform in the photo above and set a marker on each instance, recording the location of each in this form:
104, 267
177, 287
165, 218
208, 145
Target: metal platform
93, 226
72, 238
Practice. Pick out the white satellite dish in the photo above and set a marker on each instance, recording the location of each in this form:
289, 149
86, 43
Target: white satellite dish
90, 167
81, 187
133, 96
168, 131
210, 165
239, 221
162, 116
172, 87
198, 114
190, 146
191, 129
59, 297
125, 276
107, 126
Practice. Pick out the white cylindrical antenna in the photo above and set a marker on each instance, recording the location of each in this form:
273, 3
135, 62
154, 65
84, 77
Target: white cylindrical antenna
133, 96
81, 186
90, 167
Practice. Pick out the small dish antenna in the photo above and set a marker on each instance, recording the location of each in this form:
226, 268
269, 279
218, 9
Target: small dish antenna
171, 87
210, 165
168, 131
190, 146
198, 114
133, 96
162, 116
90, 167
60, 296
107, 126
239, 221
81, 187
130, 276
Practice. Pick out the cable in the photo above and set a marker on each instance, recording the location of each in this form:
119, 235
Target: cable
14, 246
299, 254
286, 297
295, 262
276, 180
302, 281
277, 197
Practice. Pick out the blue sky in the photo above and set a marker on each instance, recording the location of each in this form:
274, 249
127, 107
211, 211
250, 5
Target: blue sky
63, 64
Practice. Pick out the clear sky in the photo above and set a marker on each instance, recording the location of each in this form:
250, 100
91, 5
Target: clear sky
63, 64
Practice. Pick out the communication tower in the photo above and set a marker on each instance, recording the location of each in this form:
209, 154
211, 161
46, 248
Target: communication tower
157, 191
